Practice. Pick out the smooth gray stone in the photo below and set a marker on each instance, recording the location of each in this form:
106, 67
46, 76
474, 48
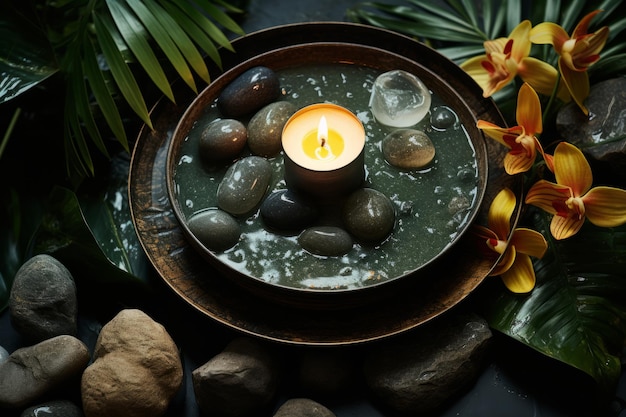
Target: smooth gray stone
422, 371
326, 240
59, 408
266, 127
43, 300
244, 185
239, 381
408, 149
249, 92
303, 407
369, 215
287, 210
222, 140
4, 355
601, 135
33, 371
443, 117
215, 229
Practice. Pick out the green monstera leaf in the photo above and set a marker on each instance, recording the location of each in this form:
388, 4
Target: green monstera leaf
92, 232
577, 312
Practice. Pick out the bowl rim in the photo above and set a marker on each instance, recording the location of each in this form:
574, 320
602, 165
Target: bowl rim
211, 92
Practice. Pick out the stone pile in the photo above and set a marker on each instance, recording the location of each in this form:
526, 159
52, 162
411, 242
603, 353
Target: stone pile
135, 369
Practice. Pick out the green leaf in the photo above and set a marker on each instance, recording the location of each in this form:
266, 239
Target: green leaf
190, 21
577, 312
103, 95
67, 234
180, 38
120, 71
26, 58
221, 17
133, 33
165, 42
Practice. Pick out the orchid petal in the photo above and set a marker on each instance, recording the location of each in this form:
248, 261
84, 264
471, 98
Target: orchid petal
542, 77
495, 45
529, 242
583, 26
498, 133
516, 163
521, 42
597, 41
500, 212
577, 82
505, 263
544, 194
528, 113
605, 206
484, 233
564, 227
549, 33
520, 278
572, 169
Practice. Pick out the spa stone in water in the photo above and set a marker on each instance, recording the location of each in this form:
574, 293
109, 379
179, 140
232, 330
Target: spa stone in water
287, 210
244, 185
266, 126
408, 149
222, 139
215, 229
399, 99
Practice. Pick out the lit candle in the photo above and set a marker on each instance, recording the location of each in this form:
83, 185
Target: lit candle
323, 145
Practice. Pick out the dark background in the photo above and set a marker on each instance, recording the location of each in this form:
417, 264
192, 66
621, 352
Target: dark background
516, 381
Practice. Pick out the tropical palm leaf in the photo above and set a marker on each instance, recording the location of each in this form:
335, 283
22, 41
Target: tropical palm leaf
458, 28
576, 313
102, 46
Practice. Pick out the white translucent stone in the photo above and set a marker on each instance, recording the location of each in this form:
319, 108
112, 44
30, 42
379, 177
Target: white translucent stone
399, 99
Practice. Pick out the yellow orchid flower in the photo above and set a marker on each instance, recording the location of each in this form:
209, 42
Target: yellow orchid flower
520, 139
515, 266
506, 58
571, 199
576, 53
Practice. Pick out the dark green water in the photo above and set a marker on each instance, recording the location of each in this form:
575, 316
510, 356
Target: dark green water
425, 225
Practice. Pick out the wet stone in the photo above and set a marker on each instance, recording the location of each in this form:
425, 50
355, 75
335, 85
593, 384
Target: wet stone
4, 355
399, 99
244, 185
408, 149
287, 210
266, 127
303, 407
369, 215
60, 408
34, 371
326, 240
602, 134
249, 92
239, 381
43, 300
215, 229
423, 371
467, 175
458, 203
442, 118
222, 140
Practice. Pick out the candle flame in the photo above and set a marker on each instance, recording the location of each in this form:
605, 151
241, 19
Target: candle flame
323, 152
322, 131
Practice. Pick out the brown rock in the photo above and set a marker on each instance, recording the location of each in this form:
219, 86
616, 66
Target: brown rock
601, 135
136, 370
420, 372
303, 407
239, 381
33, 371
